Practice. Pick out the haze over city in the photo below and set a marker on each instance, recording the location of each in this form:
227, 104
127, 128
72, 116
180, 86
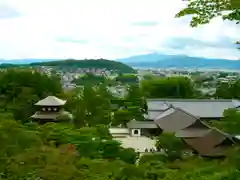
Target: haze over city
108, 29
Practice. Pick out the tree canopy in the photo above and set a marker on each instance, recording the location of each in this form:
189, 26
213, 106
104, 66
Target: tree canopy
171, 87
91, 63
204, 11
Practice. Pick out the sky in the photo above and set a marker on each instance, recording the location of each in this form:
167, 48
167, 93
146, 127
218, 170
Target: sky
109, 29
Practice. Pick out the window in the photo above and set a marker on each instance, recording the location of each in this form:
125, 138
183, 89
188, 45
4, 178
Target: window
43, 109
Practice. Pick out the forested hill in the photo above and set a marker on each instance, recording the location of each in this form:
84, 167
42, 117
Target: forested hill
97, 63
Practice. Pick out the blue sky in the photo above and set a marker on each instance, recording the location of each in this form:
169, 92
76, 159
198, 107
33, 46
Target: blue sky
108, 29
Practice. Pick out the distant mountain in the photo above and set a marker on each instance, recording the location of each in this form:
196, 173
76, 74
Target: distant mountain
90, 63
179, 61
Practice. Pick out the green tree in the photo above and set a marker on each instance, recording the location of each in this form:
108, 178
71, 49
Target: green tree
172, 87
230, 122
20, 88
228, 90
171, 145
122, 117
127, 79
90, 105
90, 78
135, 102
15, 139
44, 163
204, 11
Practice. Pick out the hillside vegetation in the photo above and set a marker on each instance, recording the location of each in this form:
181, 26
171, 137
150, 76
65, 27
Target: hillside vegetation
96, 63
100, 63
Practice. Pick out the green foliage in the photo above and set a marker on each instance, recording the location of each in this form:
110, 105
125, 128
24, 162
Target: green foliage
131, 107
86, 149
20, 89
28, 152
80, 104
204, 11
15, 139
127, 79
94, 142
172, 87
99, 63
171, 145
90, 78
153, 158
230, 123
228, 90
122, 116
44, 162
135, 102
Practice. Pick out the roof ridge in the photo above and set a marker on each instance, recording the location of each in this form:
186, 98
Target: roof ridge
192, 100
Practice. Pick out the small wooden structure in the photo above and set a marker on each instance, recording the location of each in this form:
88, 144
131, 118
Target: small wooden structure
49, 110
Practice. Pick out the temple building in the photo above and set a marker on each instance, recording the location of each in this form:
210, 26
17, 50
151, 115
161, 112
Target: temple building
51, 109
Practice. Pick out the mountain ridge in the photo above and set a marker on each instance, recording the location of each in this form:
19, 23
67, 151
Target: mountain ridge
154, 60
179, 61
116, 66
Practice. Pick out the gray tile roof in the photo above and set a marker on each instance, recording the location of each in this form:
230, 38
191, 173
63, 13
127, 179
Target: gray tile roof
175, 119
142, 124
157, 105
192, 132
208, 144
153, 114
203, 108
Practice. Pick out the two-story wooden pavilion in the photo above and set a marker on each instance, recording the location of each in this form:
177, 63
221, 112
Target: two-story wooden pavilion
49, 110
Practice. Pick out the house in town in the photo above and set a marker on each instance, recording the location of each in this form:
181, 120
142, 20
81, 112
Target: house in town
50, 109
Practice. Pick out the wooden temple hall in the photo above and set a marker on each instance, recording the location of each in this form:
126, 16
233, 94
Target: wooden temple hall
50, 109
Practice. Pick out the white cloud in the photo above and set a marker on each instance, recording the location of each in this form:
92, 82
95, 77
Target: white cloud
109, 28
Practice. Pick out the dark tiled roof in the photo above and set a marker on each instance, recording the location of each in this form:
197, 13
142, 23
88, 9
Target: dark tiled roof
153, 114
175, 119
203, 108
209, 144
192, 132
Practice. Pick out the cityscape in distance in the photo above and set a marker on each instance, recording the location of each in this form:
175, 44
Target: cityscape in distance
157, 60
